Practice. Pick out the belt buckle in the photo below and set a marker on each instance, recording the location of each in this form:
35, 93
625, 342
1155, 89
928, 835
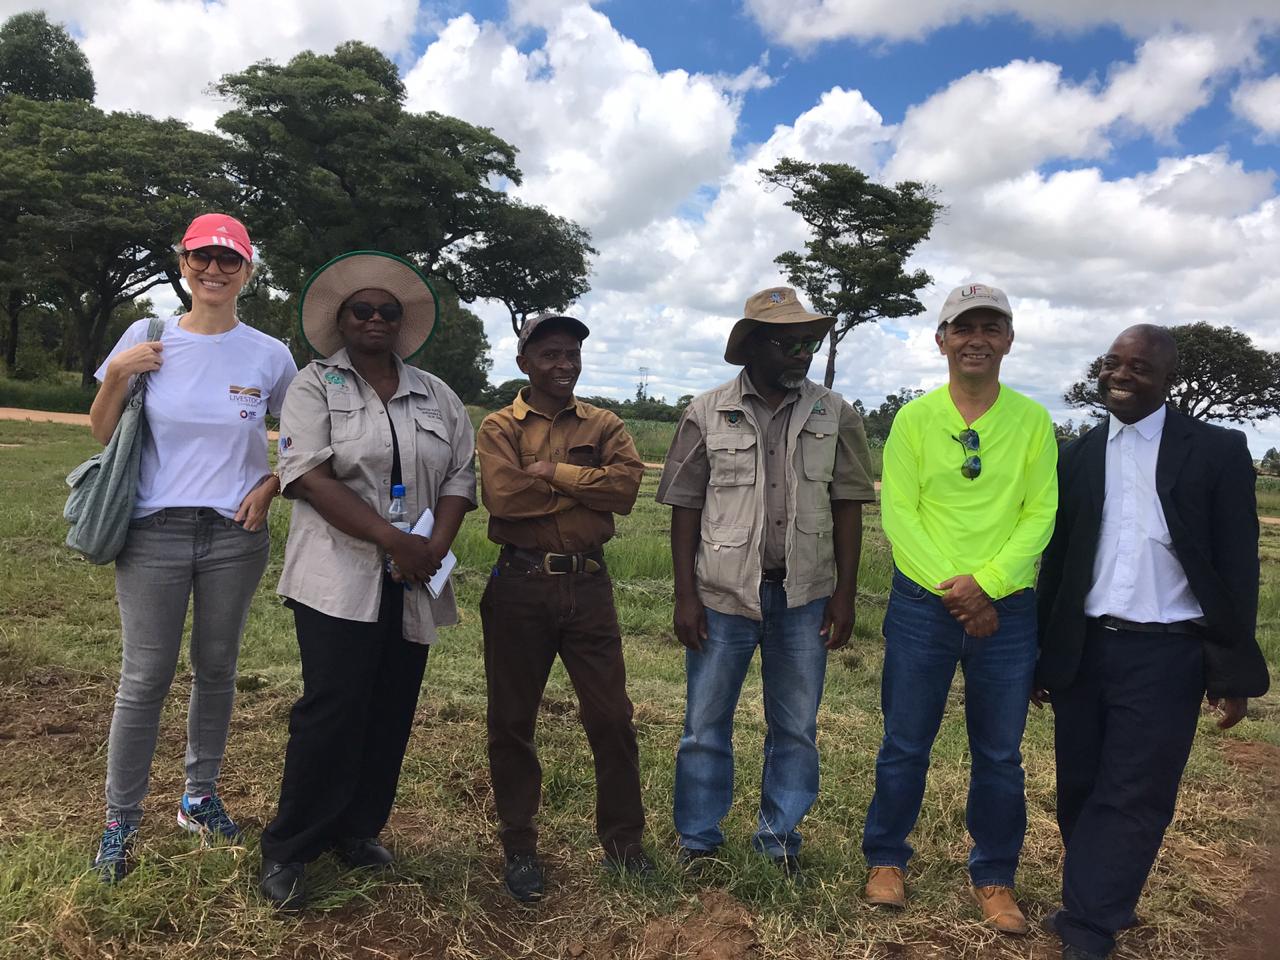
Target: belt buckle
1109, 623
546, 564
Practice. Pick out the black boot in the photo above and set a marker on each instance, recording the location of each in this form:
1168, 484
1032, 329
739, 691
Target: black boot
282, 884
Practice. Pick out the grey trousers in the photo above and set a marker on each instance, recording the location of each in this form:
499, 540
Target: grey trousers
171, 556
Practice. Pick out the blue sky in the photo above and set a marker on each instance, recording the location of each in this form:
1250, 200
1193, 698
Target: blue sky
1105, 161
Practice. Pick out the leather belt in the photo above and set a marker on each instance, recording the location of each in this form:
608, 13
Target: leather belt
556, 564
1182, 627
773, 576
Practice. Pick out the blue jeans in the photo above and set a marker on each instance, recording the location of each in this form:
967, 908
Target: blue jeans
923, 643
793, 666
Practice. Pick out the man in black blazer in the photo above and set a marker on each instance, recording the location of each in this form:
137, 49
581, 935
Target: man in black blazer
1148, 597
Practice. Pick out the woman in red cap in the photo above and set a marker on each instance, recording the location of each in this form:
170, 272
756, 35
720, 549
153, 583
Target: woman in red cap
198, 528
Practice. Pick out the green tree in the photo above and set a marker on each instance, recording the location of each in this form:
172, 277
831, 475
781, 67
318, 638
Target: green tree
861, 234
877, 422
526, 258
40, 61
1271, 462
106, 195
504, 393
330, 161
458, 352
1221, 375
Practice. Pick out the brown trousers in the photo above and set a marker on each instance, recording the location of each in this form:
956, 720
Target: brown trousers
528, 618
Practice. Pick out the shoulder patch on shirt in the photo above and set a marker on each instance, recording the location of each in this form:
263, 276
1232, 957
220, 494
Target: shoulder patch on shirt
336, 379
283, 445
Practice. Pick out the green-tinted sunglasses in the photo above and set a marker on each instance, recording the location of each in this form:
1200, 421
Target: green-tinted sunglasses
972, 466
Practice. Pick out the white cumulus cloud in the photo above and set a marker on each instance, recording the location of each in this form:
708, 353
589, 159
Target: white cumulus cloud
1258, 101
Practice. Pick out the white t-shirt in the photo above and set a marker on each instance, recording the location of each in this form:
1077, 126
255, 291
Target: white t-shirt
205, 407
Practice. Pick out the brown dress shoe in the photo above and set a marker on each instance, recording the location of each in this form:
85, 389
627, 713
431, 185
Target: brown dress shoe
885, 887
1000, 909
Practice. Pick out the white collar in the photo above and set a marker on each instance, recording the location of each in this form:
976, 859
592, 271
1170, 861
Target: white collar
1149, 427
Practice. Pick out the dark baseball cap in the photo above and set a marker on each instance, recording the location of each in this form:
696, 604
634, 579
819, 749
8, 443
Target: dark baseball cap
546, 322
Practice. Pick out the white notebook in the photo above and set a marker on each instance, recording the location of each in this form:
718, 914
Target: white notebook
423, 528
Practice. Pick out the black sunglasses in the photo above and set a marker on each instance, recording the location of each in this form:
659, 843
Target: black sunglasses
390, 311
796, 348
972, 465
228, 261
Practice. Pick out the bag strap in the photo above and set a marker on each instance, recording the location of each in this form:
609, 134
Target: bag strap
155, 330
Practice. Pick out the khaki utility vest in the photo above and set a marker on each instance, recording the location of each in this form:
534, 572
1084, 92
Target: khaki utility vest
729, 555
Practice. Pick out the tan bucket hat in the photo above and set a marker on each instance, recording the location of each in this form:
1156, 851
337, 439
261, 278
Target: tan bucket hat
331, 285
778, 305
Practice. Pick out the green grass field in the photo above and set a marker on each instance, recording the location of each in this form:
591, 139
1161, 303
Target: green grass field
59, 656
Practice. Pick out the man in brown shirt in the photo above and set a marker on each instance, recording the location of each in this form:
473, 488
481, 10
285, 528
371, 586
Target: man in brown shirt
554, 471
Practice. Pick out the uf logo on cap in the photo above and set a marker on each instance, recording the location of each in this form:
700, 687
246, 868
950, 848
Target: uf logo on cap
976, 290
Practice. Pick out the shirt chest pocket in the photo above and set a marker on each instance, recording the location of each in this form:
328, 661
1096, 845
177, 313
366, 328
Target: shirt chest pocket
733, 459
348, 419
818, 448
433, 449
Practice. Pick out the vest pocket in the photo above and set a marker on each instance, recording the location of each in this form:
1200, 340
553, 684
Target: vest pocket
733, 459
815, 557
818, 449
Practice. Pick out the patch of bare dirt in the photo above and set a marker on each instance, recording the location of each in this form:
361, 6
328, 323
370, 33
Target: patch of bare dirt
1257, 931
720, 928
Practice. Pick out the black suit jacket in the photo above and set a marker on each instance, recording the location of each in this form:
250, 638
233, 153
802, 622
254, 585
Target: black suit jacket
1205, 481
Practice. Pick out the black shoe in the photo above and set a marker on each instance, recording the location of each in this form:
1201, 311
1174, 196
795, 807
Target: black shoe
363, 854
635, 863
524, 877
789, 864
1075, 953
282, 884
695, 862
1050, 922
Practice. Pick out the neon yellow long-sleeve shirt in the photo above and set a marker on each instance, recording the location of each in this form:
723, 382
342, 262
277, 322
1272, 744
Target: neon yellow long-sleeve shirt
942, 524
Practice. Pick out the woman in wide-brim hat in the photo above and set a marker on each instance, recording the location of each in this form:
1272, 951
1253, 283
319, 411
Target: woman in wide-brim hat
359, 426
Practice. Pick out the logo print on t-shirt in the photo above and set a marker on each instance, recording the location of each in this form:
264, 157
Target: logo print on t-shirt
245, 396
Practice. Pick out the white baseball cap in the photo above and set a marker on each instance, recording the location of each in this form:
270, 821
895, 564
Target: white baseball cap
971, 297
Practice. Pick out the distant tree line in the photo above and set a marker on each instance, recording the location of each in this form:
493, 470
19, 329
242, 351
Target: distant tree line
318, 156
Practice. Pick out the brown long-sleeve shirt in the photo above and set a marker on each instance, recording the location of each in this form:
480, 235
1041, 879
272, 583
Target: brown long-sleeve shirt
597, 475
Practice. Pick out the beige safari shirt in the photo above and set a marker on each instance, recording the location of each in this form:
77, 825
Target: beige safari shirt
331, 413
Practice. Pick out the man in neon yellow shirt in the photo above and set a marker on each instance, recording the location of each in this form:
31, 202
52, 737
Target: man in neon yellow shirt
968, 501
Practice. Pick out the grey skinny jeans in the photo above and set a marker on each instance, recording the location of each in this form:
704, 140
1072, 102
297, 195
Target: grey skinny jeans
169, 556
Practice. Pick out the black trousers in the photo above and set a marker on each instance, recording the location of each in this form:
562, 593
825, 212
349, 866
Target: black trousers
1122, 735
348, 733
528, 619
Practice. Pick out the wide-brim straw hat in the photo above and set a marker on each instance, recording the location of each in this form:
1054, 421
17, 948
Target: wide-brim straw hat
777, 305
331, 286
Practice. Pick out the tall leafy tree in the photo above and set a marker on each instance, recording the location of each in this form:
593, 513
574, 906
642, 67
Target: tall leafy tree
458, 352
40, 61
329, 160
525, 257
861, 234
1221, 376
107, 196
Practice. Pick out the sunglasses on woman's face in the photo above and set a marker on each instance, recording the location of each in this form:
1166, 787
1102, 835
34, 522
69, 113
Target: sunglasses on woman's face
390, 312
796, 348
228, 261
972, 465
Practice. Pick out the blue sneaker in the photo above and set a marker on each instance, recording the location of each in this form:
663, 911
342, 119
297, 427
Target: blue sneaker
208, 817
112, 861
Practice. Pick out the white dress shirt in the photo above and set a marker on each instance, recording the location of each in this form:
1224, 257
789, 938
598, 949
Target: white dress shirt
1136, 574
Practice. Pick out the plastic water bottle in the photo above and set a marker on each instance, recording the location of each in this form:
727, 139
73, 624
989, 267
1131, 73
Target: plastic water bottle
398, 516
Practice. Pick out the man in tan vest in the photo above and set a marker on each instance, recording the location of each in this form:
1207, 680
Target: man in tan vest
766, 478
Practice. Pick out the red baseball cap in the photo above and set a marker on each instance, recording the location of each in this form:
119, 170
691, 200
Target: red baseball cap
218, 230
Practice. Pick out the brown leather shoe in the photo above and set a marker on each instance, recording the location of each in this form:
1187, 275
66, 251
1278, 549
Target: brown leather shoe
885, 887
1000, 909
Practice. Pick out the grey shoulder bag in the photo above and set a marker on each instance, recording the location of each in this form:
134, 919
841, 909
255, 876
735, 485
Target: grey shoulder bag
104, 487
